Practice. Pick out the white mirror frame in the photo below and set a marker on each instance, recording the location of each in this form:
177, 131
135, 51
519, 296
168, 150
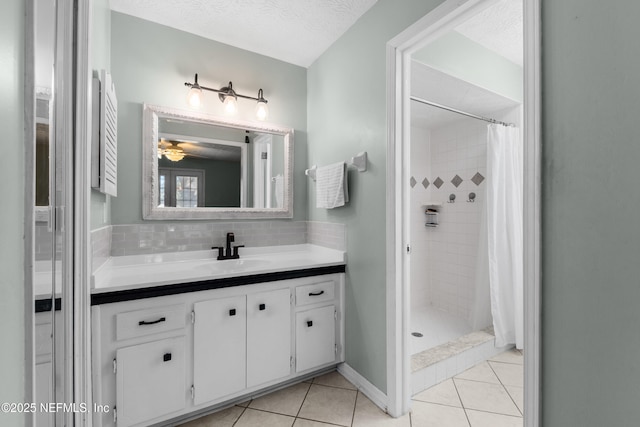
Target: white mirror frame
150, 182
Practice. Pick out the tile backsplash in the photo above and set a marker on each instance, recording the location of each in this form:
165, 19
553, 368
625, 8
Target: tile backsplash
137, 239
327, 234
100, 246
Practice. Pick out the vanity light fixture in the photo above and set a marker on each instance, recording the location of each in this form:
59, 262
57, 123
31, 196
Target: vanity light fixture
228, 97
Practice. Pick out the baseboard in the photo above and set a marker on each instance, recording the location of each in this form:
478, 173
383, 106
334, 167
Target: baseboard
372, 392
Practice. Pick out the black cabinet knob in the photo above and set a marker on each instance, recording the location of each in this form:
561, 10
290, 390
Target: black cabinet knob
315, 294
232, 312
309, 323
262, 307
166, 357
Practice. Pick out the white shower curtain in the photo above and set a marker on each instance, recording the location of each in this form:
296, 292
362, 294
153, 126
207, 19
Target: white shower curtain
505, 235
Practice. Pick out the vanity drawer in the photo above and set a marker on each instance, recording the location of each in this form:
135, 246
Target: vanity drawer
315, 293
133, 324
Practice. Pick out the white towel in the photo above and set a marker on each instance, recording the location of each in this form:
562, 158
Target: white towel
279, 184
331, 186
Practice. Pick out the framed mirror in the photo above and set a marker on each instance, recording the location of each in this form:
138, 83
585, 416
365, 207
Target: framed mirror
199, 166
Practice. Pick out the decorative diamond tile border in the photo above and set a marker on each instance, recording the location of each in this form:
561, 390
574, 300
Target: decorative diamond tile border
425, 183
456, 181
438, 182
412, 182
477, 178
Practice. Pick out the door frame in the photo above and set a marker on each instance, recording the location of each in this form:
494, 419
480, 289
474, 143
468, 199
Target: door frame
399, 50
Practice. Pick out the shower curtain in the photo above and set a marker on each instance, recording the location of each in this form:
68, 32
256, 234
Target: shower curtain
504, 233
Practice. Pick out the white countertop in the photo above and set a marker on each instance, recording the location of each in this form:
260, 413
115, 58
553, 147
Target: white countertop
142, 271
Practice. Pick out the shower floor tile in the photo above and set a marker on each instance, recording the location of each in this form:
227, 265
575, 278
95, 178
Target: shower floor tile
436, 326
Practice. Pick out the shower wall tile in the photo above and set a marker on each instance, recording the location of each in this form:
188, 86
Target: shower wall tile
458, 153
458, 149
421, 169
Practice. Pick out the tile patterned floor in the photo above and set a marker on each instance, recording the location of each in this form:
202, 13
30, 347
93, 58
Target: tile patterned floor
488, 395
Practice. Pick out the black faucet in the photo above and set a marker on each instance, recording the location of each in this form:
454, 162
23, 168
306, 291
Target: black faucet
235, 255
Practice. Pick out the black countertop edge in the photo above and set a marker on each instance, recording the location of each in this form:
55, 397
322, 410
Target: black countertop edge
44, 304
204, 285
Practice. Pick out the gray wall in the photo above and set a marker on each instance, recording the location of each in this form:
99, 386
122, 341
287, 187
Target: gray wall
221, 179
591, 202
12, 328
151, 62
465, 59
347, 114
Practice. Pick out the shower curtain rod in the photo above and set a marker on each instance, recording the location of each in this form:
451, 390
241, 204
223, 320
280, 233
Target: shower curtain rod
453, 110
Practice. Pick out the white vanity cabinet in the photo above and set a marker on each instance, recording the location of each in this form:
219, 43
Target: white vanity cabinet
159, 358
316, 319
268, 336
150, 380
219, 348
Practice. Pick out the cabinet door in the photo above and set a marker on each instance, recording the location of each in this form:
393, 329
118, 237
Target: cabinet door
219, 344
150, 380
268, 336
315, 338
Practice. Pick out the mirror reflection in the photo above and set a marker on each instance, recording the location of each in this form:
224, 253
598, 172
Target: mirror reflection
202, 163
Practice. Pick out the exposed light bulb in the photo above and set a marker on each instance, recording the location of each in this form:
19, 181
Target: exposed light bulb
262, 111
230, 104
195, 96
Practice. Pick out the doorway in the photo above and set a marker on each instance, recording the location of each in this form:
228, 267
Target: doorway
401, 51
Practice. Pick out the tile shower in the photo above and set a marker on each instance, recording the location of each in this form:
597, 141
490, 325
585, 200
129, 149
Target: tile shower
448, 169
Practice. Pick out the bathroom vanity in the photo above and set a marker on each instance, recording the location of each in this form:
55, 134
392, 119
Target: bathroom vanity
179, 334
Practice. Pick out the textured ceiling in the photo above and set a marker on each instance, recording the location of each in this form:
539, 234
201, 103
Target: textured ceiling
294, 31
498, 28
442, 88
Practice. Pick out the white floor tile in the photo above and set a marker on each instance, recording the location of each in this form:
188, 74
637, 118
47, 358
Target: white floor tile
254, 418
480, 372
286, 401
508, 373
334, 379
444, 393
367, 414
329, 405
517, 394
485, 419
485, 397
308, 423
432, 415
509, 356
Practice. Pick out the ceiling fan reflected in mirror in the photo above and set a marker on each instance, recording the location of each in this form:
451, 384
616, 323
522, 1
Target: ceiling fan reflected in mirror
171, 150
177, 149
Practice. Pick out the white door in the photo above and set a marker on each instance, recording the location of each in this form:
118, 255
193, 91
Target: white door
315, 338
268, 336
150, 380
219, 344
